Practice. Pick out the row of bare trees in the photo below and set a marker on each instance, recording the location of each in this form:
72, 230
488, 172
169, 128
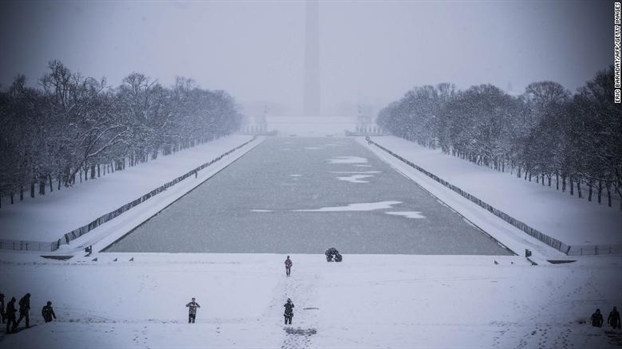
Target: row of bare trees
73, 126
546, 134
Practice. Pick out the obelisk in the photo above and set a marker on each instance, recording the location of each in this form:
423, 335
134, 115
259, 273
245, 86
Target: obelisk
311, 102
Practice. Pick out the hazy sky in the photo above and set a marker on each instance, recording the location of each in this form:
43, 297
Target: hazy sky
370, 51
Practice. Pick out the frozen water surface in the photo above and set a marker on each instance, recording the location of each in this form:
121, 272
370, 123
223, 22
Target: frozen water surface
256, 206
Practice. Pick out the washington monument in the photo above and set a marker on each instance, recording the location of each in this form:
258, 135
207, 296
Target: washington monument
312, 60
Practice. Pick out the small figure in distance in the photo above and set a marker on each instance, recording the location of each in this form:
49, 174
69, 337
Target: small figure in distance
597, 319
192, 312
288, 266
48, 312
614, 319
289, 311
10, 316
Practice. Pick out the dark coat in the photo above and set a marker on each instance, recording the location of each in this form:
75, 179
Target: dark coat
10, 309
48, 313
289, 309
614, 318
193, 307
597, 319
24, 304
331, 251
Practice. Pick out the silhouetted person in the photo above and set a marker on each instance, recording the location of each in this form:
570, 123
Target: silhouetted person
288, 266
24, 310
48, 312
289, 311
2, 308
192, 312
10, 316
614, 318
597, 319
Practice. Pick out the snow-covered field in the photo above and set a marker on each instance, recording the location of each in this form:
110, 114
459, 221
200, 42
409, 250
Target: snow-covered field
107, 300
568, 218
380, 301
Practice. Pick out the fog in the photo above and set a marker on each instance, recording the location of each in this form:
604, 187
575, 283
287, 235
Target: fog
371, 52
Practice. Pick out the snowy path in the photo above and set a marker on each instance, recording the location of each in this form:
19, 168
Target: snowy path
303, 292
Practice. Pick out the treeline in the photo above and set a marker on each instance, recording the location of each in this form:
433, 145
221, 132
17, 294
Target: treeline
74, 126
547, 134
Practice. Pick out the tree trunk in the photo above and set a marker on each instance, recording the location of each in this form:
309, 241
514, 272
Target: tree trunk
557, 181
589, 193
608, 186
21, 193
51, 184
579, 188
98, 171
600, 190
563, 183
42, 186
32, 189
571, 184
92, 171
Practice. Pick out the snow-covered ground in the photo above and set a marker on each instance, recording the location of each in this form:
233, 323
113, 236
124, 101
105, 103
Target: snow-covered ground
379, 301
137, 300
47, 218
567, 218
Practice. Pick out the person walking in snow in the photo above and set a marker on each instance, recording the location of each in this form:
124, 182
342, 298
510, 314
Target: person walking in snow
289, 311
48, 312
614, 318
2, 307
597, 319
10, 316
192, 311
288, 266
24, 311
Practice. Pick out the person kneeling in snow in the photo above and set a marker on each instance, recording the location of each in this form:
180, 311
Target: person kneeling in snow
289, 311
331, 254
48, 312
